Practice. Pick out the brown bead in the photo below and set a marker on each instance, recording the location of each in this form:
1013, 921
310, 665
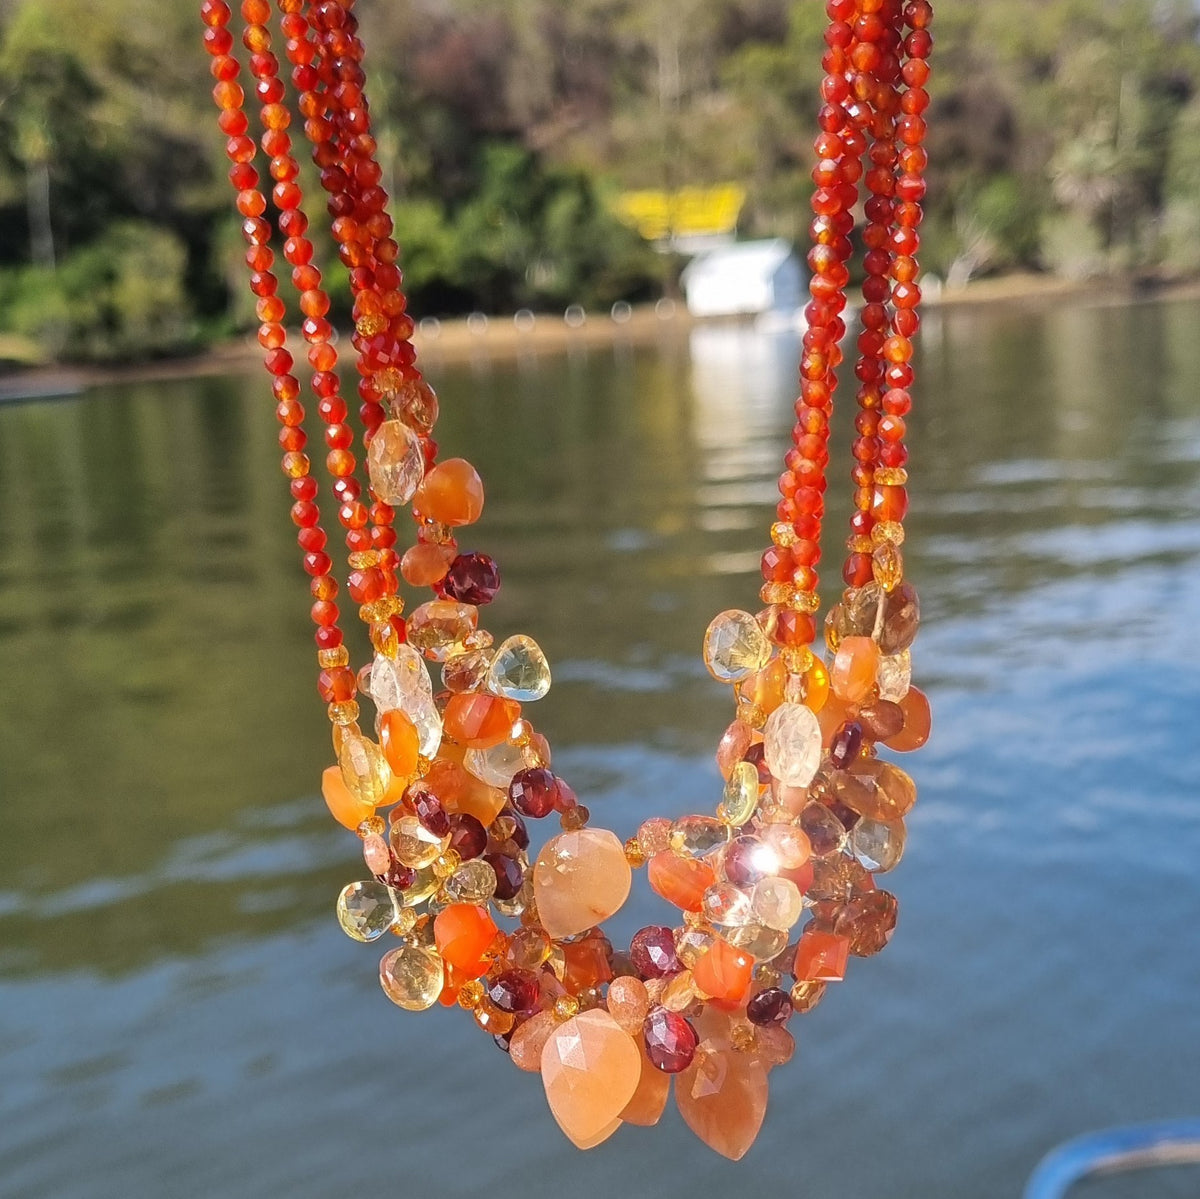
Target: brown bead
881, 720
902, 618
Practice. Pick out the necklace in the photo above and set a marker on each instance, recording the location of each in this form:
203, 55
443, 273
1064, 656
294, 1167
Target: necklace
810, 813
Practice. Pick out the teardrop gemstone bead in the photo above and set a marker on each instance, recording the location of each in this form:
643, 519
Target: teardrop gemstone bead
395, 681
722, 1097
878, 844
591, 1069
740, 799
649, 1101
735, 647
580, 879
451, 493
792, 744
366, 910
519, 670
855, 665
395, 462
439, 628
412, 977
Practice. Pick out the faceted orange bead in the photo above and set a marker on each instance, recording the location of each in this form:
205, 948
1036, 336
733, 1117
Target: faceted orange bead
765, 689
478, 720
400, 743
679, 880
821, 957
424, 564
723, 974
461, 791
586, 963
854, 668
832, 716
918, 720
463, 932
451, 493
816, 685
345, 808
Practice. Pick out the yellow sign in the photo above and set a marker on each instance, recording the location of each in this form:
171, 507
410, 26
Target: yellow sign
689, 212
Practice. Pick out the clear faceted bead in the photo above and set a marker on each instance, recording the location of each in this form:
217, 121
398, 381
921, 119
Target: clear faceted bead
878, 844
792, 744
726, 905
412, 977
735, 647
394, 681
395, 462
439, 628
497, 765
519, 670
895, 676
366, 910
696, 836
758, 940
777, 903
414, 845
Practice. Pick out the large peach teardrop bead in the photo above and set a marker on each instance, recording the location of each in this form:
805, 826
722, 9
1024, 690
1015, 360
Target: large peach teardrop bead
591, 1069
451, 493
679, 880
348, 810
722, 1097
854, 668
580, 879
649, 1101
479, 721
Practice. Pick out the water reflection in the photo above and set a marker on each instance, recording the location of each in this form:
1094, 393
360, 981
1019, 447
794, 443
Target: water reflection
167, 957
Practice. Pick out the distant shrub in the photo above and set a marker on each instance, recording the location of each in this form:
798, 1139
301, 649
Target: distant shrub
121, 296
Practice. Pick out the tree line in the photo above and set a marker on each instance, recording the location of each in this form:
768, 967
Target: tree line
1065, 137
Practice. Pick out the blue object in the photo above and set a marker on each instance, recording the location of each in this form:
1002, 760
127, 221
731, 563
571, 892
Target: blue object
1136, 1147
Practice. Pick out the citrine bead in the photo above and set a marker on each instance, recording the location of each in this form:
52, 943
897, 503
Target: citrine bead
365, 770
697, 836
777, 903
878, 844
821, 956
739, 801
762, 943
470, 882
439, 628
413, 844
894, 676
680, 880
495, 765
479, 721
346, 808
723, 975
735, 647
365, 910
451, 493
395, 462
852, 675
519, 670
463, 933
792, 744
412, 977
400, 743
725, 905
806, 995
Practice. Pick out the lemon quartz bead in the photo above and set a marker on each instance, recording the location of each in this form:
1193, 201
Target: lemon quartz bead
366, 910
735, 647
412, 977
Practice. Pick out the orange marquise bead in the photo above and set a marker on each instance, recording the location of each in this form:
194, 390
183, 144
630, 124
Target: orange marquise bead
680, 881
451, 493
344, 807
723, 974
854, 667
400, 743
480, 721
463, 933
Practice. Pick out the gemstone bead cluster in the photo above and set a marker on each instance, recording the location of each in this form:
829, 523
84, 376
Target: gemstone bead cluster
775, 892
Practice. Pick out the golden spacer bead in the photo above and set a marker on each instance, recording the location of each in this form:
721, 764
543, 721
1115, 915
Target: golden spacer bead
522, 734
371, 324
634, 854
783, 534
888, 530
470, 995
343, 713
860, 543
766, 974
330, 659
741, 1037
566, 1007
447, 863
373, 824
362, 559
381, 609
405, 922
805, 601
806, 995
422, 767
797, 659
887, 566
752, 715
776, 593
890, 476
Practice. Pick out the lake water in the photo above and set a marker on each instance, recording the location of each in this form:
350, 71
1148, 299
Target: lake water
180, 1015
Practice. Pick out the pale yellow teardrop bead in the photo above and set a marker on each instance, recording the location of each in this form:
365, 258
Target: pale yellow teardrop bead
412, 977
878, 844
395, 462
421, 888
366, 910
519, 670
792, 744
696, 836
414, 844
365, 770
760, 942
777, 903
740, 800
735, 647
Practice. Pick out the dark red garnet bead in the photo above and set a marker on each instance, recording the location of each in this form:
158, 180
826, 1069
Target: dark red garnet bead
670, 1040
743, 861
846, 743
509, 876
468, 837
514, 991
397, 876
520, 836
533, 791
427, 808
771, 1006
652, 952
471, 579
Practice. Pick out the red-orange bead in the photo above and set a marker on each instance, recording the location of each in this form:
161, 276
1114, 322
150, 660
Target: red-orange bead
463, 933
680, 881
480, 721
723, 974
452, 493
400, 742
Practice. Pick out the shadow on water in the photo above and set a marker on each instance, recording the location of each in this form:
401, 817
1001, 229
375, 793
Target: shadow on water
178, 1013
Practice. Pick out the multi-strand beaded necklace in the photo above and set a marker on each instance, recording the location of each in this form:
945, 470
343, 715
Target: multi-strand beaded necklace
778, 884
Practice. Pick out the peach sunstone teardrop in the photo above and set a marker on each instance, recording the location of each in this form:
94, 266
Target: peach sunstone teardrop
591, 1069
580, 879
